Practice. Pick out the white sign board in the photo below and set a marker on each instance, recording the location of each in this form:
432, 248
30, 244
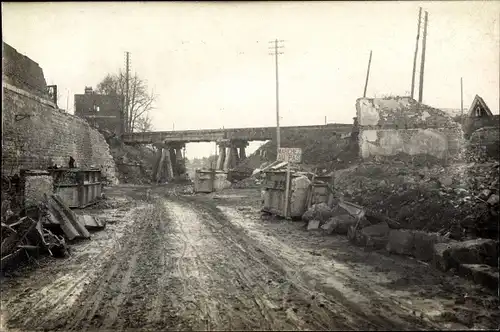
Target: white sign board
292, 155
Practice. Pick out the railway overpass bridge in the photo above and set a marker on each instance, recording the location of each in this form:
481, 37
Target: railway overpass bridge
231, 143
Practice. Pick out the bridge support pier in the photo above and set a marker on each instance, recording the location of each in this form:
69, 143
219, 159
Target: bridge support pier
221, 157
169, 162
231, 153
158, 162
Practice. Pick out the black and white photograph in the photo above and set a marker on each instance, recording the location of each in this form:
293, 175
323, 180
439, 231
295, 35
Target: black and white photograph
250, 166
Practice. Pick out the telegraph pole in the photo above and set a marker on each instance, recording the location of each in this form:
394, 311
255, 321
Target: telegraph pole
416, 52
127, 70
367, 74
422, 65
276, 53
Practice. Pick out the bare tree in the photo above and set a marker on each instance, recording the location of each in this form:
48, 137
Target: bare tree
140, 100
143, 124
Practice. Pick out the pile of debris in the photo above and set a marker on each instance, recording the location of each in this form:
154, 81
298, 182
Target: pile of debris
42, 229
459, 199
26, 236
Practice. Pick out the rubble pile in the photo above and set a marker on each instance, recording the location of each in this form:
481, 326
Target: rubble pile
42, 229
457, 200
251, 182
134, 164
26, 236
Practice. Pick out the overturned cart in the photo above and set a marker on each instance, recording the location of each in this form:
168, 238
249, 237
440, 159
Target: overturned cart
275, 198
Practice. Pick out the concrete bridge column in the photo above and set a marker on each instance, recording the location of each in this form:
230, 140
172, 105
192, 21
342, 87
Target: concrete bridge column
243, 154
176, 158
158, 163
221, 158
240, 146
235, 159
227, 160
173, 160
180, 161
167, 166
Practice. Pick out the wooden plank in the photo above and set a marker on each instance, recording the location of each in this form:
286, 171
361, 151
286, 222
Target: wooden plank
66, 226
83, 232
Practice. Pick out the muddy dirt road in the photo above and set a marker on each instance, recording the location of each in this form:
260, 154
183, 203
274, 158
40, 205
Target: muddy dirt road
197, 263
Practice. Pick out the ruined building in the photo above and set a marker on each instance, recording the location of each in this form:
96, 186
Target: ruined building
100, 111
479, 116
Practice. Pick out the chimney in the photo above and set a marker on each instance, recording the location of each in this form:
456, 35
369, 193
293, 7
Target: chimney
88, 90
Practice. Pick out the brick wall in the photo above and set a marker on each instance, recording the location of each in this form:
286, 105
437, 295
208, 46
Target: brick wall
42, 136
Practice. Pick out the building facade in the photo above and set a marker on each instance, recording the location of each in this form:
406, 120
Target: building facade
101, 111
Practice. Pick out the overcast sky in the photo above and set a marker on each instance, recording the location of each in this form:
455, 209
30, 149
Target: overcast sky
209, 63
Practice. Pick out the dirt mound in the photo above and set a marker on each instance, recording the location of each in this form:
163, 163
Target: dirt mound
134, 164
430, 198
327, 151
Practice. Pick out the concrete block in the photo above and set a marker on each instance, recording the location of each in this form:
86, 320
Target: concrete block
312, 224
400, 242
481, 274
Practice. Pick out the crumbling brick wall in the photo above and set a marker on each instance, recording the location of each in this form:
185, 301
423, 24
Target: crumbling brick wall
36, 135
401, 125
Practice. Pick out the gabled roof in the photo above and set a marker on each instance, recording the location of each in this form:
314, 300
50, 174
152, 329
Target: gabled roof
479, 101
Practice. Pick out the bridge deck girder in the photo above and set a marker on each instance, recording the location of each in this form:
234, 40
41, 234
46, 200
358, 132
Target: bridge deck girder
213, 135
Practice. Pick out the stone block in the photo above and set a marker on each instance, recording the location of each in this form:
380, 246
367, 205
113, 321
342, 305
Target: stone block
423, 244
481, 274
319, 211
440, 256
400, 242
494, 199
374, 236
477, 251
378, 230
312, 225
35, 187
340, 224
329, 226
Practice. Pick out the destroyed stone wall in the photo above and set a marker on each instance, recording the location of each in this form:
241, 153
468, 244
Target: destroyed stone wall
400, 125
22, 72
36, 135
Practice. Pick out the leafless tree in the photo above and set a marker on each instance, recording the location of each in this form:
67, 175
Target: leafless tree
140, 100
143, 123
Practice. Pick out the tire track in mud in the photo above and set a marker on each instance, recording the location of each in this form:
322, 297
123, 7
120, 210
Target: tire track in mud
50, 300
257, 274
101, 300
211, 280
334, 311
